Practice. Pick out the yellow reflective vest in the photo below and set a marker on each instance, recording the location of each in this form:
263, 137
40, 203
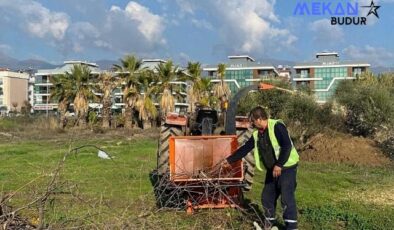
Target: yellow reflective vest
293, 158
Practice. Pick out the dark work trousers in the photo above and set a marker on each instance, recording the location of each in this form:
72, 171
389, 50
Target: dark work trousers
284, 186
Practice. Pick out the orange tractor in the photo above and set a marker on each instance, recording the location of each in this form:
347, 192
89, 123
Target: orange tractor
190, 150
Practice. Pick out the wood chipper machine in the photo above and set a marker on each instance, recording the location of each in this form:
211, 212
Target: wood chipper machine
190, 150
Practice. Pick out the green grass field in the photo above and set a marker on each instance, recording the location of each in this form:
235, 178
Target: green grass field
96, 193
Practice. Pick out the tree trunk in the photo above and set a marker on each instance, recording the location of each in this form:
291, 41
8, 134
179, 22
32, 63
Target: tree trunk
106, 112
63, 105
146, 124
128, 122
82, 119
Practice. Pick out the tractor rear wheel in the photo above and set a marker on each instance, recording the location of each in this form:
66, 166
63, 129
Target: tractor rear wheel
166, 131
249, 162
166, 195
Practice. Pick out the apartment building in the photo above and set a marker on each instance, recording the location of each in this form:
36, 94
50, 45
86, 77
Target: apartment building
324, 74
13, 90
241, 71
42, 102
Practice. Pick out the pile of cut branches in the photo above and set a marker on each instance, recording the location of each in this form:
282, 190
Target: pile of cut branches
10, 220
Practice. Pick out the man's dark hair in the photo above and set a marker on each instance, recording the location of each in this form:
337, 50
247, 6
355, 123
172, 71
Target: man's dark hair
258, 113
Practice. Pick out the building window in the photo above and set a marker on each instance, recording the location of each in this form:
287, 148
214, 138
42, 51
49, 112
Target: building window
304, 73
357, 72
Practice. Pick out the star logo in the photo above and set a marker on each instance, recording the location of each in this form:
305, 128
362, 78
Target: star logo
373, 9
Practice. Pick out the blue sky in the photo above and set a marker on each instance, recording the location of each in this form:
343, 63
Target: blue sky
188, 30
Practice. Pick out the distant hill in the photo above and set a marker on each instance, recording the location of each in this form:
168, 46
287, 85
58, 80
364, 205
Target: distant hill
6, 61
34, 64
14, 64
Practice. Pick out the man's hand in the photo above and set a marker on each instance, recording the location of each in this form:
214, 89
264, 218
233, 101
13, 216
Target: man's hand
276, 171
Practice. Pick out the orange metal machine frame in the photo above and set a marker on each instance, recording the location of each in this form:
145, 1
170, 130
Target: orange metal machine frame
191, 160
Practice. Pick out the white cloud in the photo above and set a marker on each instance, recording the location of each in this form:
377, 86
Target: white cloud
82, 30
133, 29
36, 19
325, 33
150, 25
202, 24
376, 55
119, 30
186, 6
243, 28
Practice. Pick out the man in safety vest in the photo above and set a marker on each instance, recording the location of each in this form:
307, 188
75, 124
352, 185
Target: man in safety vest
273, 147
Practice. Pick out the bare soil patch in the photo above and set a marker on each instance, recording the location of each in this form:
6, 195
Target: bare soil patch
343, 148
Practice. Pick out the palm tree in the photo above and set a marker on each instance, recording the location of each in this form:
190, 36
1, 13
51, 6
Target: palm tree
221, 90
194, 93
206, 97
106, 85
167, 73
61, 92
128, 72
145, 104
82, 84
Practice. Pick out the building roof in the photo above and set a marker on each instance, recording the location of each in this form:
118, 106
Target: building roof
67, 68
241, 57
151, 64
330, 59
331, 64
154, 60
238, 67
327, 54
81, 63
240, 62
12, 74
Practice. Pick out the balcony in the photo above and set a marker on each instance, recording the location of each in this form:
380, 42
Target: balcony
306, 77
303, 75
266, 76
45, 92
42, 82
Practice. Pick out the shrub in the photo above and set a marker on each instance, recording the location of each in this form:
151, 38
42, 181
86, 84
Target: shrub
273, 100
301, 108
369, 104
119, 121
301, 113
92, 118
